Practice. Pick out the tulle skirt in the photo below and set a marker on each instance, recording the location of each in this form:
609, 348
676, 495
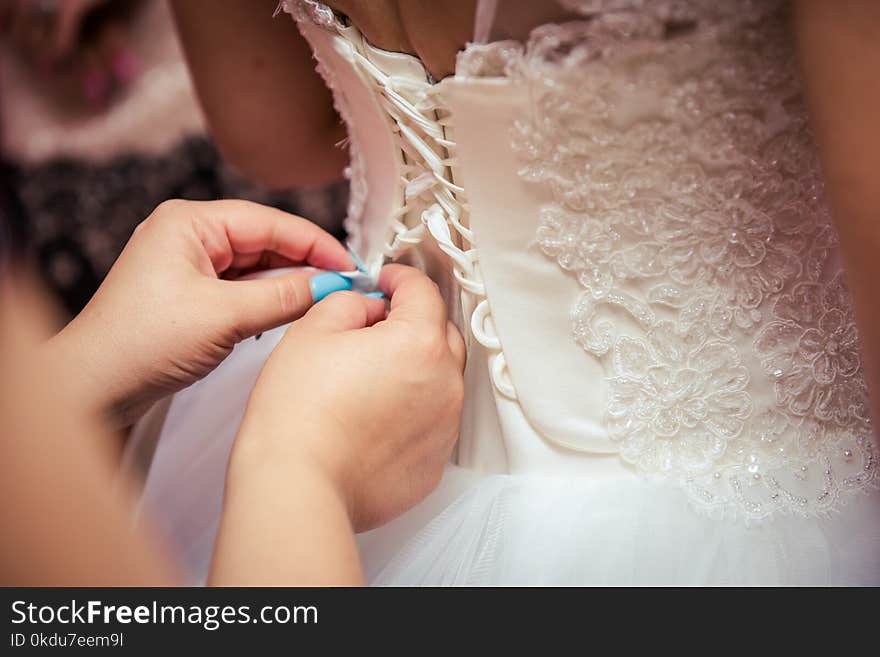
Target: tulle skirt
608, 527
538, 530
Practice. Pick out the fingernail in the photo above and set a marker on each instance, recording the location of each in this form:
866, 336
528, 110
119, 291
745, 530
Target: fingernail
374, 295
328, 283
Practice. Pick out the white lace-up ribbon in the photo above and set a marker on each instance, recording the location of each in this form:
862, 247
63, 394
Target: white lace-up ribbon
419, 130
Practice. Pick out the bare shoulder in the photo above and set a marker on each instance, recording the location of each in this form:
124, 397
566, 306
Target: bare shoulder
432, 31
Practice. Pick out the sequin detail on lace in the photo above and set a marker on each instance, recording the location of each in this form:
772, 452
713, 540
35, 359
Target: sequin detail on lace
687, 203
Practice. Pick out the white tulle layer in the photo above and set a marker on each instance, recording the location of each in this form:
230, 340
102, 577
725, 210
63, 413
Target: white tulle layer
531, 530
605, 525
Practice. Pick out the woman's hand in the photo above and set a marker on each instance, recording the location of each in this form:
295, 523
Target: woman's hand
67, 509
165, 317
376, 409
350, 423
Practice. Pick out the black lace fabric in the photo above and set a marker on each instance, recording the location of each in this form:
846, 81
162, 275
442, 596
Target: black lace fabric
71, 218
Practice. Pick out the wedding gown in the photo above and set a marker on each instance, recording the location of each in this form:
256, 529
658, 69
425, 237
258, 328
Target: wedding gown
625, 214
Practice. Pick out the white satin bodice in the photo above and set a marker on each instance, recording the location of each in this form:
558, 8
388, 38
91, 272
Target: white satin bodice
626, 216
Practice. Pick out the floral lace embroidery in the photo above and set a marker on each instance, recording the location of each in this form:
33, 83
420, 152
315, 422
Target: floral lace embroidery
811, 352
687, 197
677, 399
488, 60
702, 220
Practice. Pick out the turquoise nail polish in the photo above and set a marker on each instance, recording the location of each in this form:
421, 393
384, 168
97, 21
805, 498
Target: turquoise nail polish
374, 295
328, 283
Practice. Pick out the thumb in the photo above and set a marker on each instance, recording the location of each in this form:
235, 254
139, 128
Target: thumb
260, 304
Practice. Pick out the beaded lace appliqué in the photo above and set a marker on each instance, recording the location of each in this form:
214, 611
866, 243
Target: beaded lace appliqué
687, 203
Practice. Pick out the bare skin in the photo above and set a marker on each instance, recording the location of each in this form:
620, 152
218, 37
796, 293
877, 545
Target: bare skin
71, 521
434, 32
284, 131
840, 51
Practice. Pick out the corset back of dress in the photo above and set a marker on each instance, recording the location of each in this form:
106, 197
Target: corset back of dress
630, 207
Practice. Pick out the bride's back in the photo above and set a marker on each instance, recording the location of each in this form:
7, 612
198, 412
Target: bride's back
436, 31
634, 199
623, 205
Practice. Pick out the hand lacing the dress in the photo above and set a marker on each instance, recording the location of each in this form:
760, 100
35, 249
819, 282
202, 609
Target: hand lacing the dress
419, 125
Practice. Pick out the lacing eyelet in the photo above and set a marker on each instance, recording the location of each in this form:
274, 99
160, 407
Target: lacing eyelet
480, 319
419, 126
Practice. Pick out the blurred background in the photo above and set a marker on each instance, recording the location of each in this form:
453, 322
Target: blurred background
98, 125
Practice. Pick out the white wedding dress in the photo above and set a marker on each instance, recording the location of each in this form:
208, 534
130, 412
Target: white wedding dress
625, 213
